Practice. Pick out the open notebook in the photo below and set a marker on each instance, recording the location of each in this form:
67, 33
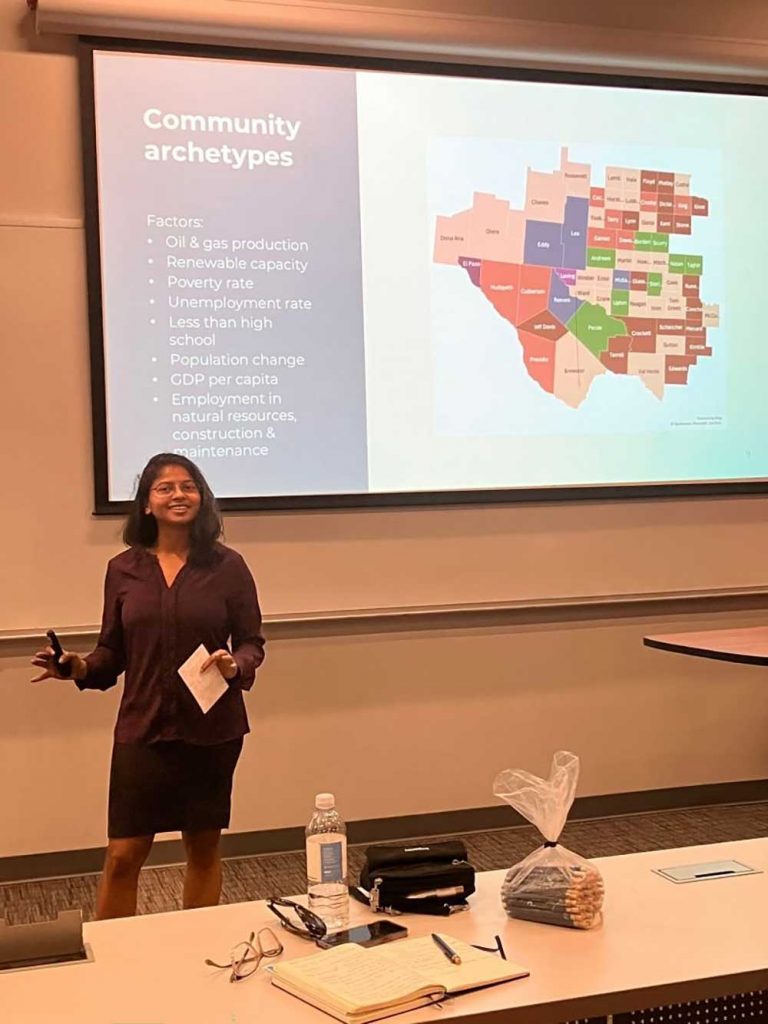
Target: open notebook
359, 984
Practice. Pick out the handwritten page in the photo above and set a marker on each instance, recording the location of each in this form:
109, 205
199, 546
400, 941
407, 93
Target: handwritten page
357, 984
477, 968
353, 978
206, 687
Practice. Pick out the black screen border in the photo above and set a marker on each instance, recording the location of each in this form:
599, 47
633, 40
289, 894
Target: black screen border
304, 502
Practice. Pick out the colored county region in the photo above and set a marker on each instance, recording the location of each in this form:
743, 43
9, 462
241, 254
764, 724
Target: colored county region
539, 358
575, 369
515, 291
500, 283
593, 327
543, 243
545, 325
574, 233
596, 277
490, 231
562, 303
563, 367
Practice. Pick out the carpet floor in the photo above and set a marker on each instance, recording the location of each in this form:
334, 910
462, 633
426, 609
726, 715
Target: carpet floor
282, 874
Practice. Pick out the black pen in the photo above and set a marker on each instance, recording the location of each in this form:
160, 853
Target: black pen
451, 954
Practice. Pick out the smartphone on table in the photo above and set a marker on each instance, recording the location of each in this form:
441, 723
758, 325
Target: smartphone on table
65, 669
365, 934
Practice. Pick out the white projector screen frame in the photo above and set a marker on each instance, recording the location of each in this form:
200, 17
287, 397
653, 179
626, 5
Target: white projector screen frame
546, 364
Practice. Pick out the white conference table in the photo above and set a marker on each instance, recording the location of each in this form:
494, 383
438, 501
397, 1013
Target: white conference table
660, 943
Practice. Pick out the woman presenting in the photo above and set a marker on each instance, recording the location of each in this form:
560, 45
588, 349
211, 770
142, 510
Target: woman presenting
174, 588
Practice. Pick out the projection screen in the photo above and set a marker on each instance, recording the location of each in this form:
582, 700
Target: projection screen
335, 285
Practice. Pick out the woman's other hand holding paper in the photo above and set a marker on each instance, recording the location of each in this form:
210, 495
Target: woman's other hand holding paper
224, 661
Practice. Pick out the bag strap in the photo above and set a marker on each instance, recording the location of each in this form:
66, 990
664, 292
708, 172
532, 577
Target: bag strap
357, 892
432, 907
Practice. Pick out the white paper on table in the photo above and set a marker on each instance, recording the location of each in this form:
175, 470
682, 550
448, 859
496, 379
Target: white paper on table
206, 687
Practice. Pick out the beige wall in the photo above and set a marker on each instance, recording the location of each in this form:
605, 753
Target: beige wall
397, 724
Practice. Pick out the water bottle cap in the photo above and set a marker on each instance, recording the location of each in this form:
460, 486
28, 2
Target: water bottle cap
325, 801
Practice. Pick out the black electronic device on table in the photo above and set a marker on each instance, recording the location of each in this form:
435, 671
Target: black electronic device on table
365, 934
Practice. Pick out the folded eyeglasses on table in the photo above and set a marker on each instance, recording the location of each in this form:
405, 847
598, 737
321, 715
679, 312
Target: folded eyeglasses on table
246, 956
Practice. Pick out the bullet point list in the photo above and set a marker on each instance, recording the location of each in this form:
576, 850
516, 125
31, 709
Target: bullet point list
170, 333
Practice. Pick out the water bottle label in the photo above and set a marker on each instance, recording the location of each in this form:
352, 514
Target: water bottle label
331, 862
327, 857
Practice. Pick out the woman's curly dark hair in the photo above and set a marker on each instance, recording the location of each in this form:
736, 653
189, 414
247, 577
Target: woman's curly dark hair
140, 528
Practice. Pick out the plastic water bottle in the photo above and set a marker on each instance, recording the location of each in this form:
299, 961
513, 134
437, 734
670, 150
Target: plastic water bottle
327, 863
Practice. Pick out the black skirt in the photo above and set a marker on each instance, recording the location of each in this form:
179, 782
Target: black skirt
170, 786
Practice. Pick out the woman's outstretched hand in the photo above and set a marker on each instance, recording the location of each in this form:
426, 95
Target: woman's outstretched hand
45, 660
224, 661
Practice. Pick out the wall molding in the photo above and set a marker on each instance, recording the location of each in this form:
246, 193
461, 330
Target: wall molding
479, 615
376, 830
36, 220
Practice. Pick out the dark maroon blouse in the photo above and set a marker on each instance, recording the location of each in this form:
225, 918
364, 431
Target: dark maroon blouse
149, 629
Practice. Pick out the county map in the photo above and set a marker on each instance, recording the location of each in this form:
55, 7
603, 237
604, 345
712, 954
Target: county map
589, 276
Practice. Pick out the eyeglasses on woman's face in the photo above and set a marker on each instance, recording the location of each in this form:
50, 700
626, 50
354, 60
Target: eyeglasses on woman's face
309, 925
167, 487
246, 956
